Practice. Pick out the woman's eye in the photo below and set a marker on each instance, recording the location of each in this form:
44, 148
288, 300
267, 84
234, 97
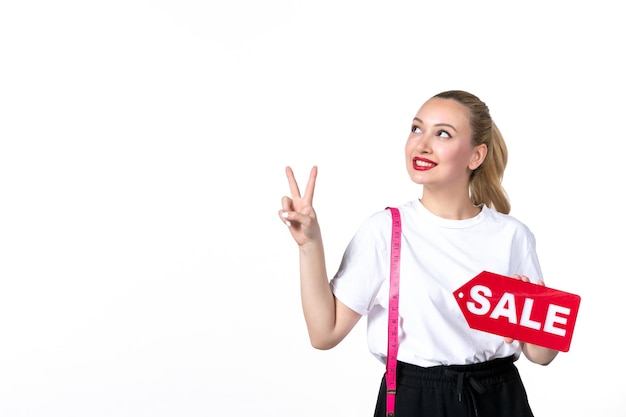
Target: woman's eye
415, 129
443, 134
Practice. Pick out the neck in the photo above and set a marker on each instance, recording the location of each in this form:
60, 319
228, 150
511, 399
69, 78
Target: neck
449, 206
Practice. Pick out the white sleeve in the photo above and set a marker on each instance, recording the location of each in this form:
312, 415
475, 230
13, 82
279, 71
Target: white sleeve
365, 264
528, 259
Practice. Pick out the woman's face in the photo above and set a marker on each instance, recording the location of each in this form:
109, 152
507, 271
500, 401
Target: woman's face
439, 152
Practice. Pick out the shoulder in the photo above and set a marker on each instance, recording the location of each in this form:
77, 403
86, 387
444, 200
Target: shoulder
375, 230
377, 222
496, 216
507, 222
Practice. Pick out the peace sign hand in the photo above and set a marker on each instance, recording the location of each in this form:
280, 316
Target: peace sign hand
298, 212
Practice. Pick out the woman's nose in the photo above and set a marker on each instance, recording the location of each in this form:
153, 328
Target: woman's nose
423, 144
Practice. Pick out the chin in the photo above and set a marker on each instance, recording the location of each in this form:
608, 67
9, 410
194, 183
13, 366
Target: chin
417, 179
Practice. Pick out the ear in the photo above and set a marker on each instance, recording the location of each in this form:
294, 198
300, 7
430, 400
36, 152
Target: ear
478, 156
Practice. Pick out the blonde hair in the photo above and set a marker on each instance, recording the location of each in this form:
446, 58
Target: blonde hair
486, 180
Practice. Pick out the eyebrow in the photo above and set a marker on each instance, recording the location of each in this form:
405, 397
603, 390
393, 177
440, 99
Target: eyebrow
438, 124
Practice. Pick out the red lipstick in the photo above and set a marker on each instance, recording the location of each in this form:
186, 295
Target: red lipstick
423, 164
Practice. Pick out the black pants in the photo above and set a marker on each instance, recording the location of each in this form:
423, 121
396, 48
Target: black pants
489, 389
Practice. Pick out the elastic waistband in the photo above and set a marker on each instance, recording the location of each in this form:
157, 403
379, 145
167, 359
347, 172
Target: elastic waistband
492, 372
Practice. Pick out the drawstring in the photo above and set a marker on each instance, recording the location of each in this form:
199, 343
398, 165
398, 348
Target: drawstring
461, 377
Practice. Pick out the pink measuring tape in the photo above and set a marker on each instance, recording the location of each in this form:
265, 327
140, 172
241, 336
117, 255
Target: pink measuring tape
394, 296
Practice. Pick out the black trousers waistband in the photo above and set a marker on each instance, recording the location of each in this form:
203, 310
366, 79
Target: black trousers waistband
489, 389
488, 373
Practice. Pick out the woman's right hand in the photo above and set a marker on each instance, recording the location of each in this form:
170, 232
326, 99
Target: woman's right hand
297, 212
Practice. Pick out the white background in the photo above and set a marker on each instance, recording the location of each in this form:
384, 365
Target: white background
143, 268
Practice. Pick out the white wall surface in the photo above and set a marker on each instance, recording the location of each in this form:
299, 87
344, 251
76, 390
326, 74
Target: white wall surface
143, 268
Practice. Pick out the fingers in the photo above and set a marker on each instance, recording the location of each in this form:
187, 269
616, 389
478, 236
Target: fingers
509, 340
287, 204
310, 186
289, 216
293, 184
521, 277
526, 279
296, 209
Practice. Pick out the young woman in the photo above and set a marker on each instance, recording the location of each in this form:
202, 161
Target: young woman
458, 228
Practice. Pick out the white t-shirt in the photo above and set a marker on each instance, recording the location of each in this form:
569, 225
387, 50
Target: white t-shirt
437, 257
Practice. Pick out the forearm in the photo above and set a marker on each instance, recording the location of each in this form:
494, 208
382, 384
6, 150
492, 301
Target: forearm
318, 301
538, 354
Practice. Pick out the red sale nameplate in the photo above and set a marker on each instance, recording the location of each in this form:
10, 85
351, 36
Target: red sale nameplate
521, 310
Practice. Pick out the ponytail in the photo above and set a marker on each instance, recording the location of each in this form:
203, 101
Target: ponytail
485, 181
